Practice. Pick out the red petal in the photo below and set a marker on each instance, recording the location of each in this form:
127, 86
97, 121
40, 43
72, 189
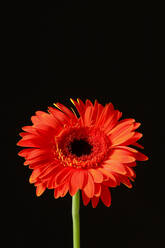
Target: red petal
97, 189
132, 139
121, 126
46, 119
128, 120
115, 166
89, 188
99, 111
122, 135
95, 201
80, 106
125, 181
40, 189
85, 199
49, 170
105, 114
64, 189
39, 141
34, 153
51, 183
35, 120
88, 103
37, 160
105, 196
59, 116
97, 175
44, 123
23, 134
28, 143
40, 163
130, 172
136, 125
34, 175
63, 175
67, 111
30, 129
122, 139
133, 164
140, 156
61, 190
76, 182
127, 148
111, 122
138, 145
57, 192
88, 116
119, 115
109, 174
121, 156
25, 152
95, 110
111, 183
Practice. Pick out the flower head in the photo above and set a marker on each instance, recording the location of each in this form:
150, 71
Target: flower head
90, 153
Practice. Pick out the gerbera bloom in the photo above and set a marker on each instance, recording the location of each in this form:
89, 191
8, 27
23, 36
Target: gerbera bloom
90, 153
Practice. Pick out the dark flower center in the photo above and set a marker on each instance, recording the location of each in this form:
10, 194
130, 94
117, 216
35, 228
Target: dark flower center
80, 147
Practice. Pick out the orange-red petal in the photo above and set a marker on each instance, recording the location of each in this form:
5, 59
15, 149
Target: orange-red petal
85, 198
76, 181
95, 201
125, 181
97, 175
61, 190
121, 155
140, 156
137, 145
97, 189
89, 188
105, 196
88, 116
108, 173
40, 189
114, 166
132, 139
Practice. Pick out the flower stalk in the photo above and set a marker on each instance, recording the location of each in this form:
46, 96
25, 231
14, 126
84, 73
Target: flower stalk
76, 219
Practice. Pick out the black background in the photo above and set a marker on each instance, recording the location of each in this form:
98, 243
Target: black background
103, 54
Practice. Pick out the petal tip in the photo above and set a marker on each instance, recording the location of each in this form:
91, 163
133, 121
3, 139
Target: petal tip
72, 101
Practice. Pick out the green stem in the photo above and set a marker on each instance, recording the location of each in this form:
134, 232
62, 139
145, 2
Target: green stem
76, 219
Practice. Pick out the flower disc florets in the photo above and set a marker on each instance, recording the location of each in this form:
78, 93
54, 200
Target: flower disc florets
82, 147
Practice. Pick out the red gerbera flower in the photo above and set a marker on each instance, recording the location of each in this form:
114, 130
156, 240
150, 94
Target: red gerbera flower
90, 152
